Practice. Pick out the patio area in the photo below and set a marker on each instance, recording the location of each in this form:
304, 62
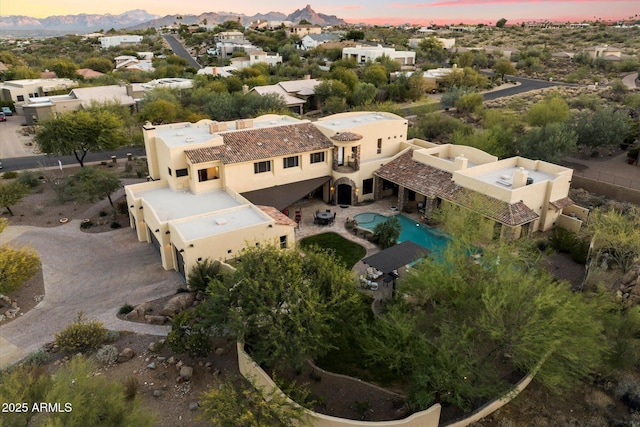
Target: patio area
308, 227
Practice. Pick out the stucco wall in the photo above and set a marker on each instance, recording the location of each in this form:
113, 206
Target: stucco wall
609, 190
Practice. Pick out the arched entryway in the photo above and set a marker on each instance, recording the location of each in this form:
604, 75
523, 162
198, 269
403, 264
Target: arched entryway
345, 191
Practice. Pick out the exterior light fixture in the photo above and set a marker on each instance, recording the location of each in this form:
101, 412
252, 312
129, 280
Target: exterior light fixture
157, 230
181, 250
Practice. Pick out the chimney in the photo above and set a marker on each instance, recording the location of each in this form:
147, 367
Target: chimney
244, 124
245, 89
217, 127
520, 176
129, 90
307, 76
460, 162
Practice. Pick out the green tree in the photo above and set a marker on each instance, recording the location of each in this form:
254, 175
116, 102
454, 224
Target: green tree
504, 66
354, 35
432, 50
247, 405
363, 94
11, 194
452, 94
375, 74
605, 126
63, 68
386, 233
96, 184
469, 103
346, 76
550, 142
100, 64
552, 109
160, 111
79, 132
286, 307
500, 23
331, 88
615, 236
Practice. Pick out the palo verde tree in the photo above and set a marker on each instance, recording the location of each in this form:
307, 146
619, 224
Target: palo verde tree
604, 126
78, 132
96, 184
615, 236
11, 194
286, 307
550, 142
16, 265
249, 405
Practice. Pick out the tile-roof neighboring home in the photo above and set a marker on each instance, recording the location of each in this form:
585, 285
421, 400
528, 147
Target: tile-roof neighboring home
88, 73
562, 203
48, 74
294, 92
304, 87
262, 143
437, 183
290, 101
102, 94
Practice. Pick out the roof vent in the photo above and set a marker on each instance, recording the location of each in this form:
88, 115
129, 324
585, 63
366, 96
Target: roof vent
189, 139
179, 133
221, 220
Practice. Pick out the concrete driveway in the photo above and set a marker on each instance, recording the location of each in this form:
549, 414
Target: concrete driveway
93, 272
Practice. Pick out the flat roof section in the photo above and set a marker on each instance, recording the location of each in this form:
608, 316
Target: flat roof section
503, 177
342, 123
215, 224
169, 204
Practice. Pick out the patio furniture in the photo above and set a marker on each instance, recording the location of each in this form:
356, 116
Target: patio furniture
324, 217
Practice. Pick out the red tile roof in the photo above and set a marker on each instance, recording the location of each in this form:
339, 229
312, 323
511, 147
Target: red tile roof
433, 182
279, 217
562, 203
346, 137
262, 143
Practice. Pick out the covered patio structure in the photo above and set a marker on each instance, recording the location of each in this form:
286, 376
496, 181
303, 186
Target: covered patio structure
397, 256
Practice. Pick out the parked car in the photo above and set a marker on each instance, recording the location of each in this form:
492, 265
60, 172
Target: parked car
7, 111
3, 117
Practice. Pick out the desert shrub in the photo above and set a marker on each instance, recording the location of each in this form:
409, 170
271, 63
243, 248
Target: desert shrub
122, 208
131, 385
38, 210
81, 335
111, 335
567, 241
107, 354
9, 175
86, 224
37, 358
125, 309
190, 334
29, 179
102, 213
115, 224
128, 168
202, 273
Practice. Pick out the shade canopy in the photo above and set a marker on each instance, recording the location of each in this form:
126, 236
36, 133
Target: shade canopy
396, 256
282, 196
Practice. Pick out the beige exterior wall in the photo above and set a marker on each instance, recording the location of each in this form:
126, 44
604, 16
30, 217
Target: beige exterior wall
242, 177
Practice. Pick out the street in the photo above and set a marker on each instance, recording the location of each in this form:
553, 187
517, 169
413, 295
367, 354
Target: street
180, 50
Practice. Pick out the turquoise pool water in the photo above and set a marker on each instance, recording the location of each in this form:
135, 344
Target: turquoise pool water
425, 236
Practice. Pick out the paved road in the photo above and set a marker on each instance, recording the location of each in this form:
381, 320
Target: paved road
179, 50
93, 272
10, 145
525, 85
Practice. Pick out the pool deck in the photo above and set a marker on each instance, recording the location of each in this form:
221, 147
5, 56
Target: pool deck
308, 228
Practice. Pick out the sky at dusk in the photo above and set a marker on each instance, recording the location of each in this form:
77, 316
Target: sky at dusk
354, 11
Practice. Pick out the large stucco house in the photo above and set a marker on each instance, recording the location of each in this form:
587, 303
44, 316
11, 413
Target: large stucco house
216, 187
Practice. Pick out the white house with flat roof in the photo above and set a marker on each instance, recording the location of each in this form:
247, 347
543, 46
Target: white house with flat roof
364, 54
216, 187
19, 91
115, 41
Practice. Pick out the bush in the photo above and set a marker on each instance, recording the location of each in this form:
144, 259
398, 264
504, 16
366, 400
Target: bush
37, 358
29, 179
131, 385
102, 213
107, 354
115, 224
122, 208
202, 273
9, 175
86, 224
82, 335
567, 241
189, 334
125, 309
111, 336
634, 153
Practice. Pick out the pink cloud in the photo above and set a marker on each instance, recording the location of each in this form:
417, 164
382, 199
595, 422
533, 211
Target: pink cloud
352, 7
487, 2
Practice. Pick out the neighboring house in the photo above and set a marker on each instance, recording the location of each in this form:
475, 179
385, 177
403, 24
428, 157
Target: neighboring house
226, 71
168, 82
446, 43
364, 54
229, 36
296, 93
43, 108
255, 57
605, 52
115, 41
311, 41
19, 91
433, 75
216, 187
303, 30
227, 49
88, 73
127, 62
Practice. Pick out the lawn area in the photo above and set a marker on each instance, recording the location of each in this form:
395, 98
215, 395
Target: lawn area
347, 251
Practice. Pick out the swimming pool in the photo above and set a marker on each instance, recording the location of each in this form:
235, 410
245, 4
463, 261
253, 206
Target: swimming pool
425, 236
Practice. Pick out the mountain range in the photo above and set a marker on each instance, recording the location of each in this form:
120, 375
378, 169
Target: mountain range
141, 19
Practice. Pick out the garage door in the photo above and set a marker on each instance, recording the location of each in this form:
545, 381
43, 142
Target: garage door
154, 240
